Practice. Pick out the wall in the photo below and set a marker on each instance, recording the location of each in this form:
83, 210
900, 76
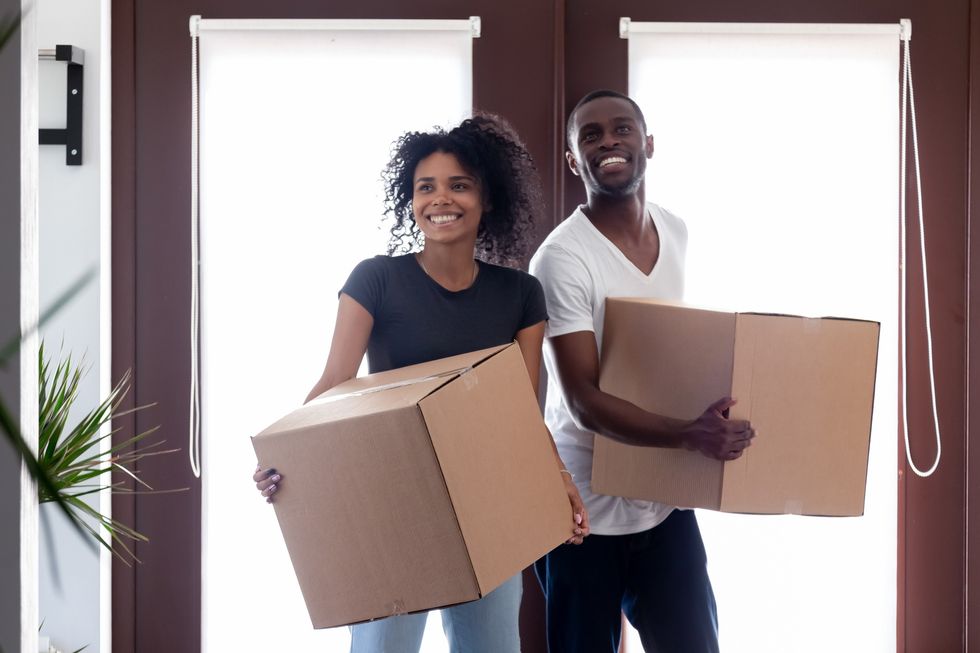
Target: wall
70, 244
18, 165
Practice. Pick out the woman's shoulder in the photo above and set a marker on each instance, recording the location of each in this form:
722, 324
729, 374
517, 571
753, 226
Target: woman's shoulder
508, 275
384, 263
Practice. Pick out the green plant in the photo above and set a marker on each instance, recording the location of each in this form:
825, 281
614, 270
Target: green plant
9, 427
73, 458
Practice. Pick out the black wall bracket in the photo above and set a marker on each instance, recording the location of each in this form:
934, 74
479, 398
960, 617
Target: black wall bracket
71, 135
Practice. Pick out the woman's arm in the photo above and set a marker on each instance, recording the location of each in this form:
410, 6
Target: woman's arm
530, 340
350, 338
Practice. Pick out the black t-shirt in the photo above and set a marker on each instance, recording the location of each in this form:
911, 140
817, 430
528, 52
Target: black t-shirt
417, 320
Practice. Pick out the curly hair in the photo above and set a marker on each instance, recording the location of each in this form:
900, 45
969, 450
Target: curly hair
489, 148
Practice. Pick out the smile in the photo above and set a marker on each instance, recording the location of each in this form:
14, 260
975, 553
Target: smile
444, 219
611, 160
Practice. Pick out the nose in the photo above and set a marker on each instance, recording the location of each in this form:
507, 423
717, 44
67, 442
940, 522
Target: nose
441, 198
610, 139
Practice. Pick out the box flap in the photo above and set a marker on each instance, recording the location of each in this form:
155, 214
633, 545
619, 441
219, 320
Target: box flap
354, 404
808, 317
784, 366
492, 409
367, 518
412, 374
641, 338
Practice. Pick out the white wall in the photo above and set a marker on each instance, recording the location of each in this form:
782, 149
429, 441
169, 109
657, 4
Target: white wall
71, 243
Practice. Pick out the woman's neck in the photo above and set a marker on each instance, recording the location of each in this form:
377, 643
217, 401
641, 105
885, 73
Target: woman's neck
451, 267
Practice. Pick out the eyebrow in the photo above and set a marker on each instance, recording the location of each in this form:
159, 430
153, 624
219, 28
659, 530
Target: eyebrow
595, 125
453, 178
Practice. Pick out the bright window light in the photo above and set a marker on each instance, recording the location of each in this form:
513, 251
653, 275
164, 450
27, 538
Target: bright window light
295, 128
781, 154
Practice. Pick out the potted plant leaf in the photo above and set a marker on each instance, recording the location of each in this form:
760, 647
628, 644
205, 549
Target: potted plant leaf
74, 459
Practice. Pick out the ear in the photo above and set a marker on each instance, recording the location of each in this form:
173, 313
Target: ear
572, 163
648, 146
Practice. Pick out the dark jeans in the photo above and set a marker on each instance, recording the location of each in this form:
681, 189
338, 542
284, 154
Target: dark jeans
658, 578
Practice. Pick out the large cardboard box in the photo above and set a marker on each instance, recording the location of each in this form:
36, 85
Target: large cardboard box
416, 488
806, 384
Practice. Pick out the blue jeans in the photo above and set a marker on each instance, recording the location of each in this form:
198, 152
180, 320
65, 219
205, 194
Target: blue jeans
658, 578
487, 625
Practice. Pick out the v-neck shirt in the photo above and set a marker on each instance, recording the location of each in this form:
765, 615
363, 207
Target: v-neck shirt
579, 268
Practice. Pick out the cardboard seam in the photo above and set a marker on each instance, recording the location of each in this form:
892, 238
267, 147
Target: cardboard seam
724, 464
452, 504
319, 401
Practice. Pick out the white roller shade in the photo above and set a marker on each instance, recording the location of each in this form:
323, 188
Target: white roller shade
779, 146
296, 123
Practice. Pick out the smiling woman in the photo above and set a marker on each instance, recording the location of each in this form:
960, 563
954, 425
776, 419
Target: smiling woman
412, 308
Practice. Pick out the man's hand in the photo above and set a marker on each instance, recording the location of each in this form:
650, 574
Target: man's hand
716, 436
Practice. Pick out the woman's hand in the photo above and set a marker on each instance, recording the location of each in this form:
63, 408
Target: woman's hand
267, 482
580, 516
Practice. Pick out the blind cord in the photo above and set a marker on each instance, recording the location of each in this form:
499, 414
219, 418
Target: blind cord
194, 437
908, 102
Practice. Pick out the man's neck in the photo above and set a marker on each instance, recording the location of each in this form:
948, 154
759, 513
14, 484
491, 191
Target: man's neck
618, 215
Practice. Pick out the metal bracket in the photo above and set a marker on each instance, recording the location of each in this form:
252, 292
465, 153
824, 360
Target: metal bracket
71, 135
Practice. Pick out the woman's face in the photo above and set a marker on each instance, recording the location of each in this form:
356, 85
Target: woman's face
447, 200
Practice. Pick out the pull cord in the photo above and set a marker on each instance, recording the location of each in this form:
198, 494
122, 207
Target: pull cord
908, 102
194, 420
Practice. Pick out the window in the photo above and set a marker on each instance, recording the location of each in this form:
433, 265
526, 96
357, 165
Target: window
297, 118
781, 153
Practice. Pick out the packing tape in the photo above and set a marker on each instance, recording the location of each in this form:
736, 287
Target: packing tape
812, 325
389, 386
396, 608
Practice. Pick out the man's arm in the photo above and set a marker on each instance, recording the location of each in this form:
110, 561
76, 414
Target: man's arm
577, 361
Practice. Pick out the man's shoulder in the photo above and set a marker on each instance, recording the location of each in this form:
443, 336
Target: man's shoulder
569, 234
667, 217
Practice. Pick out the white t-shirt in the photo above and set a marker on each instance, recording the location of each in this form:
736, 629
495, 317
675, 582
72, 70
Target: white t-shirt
579, 268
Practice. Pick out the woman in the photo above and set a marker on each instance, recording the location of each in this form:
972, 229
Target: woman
471, 190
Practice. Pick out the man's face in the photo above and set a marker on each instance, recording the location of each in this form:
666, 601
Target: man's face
609, 149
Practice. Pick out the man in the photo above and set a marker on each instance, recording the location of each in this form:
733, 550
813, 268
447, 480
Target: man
643, 558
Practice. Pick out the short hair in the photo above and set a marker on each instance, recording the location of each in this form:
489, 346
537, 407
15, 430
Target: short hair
595, 95
489, 148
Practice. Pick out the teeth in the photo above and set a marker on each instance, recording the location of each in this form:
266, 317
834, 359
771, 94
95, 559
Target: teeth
442, 219
612, 159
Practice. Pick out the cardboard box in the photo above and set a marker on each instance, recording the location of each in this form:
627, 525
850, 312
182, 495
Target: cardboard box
416, 488
806, 385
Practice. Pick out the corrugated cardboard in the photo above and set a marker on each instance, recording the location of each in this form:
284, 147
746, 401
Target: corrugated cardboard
806, 385
416, 488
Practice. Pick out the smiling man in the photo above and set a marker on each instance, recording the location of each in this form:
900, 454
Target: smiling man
643, 558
